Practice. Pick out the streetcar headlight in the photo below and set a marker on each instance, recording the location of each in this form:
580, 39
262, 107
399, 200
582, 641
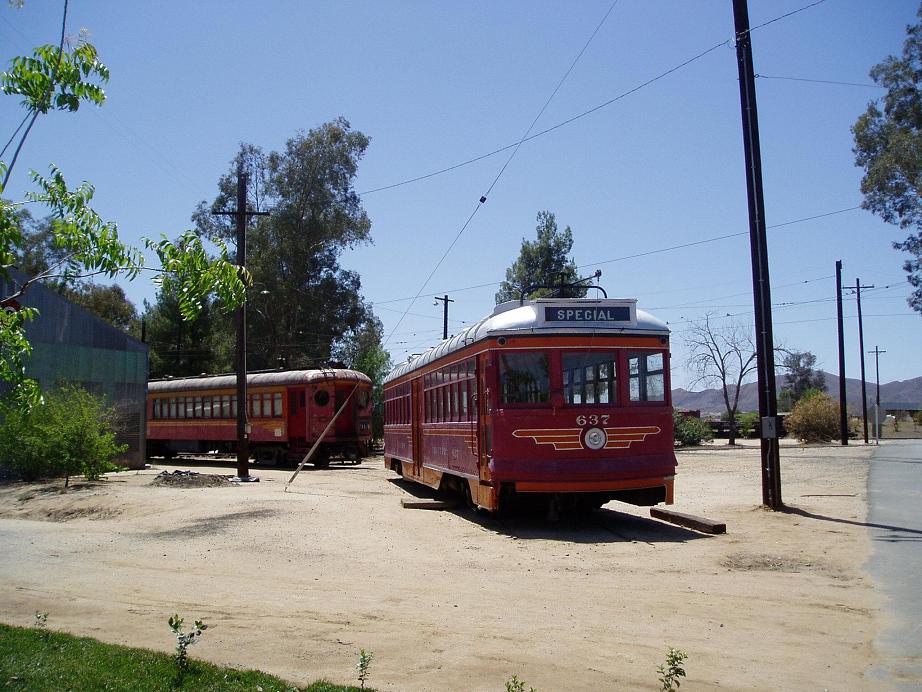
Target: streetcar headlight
595, 438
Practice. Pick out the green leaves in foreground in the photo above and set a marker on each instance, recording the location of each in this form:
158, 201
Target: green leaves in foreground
186, 263
52, 78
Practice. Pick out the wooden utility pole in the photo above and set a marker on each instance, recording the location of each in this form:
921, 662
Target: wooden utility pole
240, 317
877, 353
765, 350
843, 404
446, 300
864, 390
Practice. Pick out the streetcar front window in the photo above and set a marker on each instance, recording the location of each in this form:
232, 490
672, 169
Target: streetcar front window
524, 378
646, 374
590, 378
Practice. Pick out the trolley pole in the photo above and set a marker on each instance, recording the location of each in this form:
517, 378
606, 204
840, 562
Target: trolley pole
240, 317
877, 353
765, 358
843, 405
446, 300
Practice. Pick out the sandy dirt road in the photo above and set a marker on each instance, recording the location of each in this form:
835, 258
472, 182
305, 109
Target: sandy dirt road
296, 583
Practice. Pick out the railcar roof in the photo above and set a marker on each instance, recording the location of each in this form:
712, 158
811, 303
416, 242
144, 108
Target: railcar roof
544, 316
259, 379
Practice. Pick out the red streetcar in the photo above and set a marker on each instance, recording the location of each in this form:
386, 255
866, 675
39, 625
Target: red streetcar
287, 412
565, 398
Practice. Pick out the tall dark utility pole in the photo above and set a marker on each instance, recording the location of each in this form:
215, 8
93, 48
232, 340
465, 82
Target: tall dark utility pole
240, 317
761, 289
864, 391
843, 404
446, 300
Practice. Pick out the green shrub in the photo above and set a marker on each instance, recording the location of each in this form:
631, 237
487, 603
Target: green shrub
815, 418
747, 424
690, 431
69, 432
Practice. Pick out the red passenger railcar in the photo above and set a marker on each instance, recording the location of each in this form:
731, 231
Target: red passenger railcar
287, 411
559, 397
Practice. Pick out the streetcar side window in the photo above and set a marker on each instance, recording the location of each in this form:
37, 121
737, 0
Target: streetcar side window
646, 377
524, 378
590, 378
277, 405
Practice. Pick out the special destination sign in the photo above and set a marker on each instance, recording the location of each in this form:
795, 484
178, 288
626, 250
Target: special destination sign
611, 313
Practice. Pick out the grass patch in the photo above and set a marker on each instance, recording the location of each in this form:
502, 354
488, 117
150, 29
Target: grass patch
34, 659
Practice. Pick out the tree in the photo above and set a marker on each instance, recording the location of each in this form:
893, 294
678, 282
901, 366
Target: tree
543, 261
182, 347
888, 146
108, 303
721, 356
303, 304
800, 377
62, 78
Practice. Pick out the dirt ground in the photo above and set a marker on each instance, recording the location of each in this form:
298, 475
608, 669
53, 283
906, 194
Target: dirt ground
296, 582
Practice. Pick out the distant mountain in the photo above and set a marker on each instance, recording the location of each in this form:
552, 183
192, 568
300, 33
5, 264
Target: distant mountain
711, 400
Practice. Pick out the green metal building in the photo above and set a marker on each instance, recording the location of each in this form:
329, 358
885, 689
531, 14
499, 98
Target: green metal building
71, 345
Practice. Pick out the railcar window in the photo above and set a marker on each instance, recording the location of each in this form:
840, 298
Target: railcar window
321, 397
277, 405
590, 378
524, 378
206, 406
645, 371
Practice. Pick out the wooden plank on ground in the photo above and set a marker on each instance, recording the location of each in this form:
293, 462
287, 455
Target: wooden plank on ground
689, 521
427, 504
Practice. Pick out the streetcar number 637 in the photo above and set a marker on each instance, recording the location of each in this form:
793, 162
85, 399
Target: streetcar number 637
592, 420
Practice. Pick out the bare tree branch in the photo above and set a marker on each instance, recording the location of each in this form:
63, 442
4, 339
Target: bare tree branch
724, 357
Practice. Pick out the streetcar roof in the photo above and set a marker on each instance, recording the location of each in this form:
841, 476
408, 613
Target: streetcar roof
546, 316
259, 379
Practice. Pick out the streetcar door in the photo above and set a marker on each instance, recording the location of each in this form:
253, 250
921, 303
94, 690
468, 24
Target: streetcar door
345, 423
297, 415
484, 441
417, 426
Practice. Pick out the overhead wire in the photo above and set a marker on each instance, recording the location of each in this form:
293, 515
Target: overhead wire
579, 116
820, 81
483, 198
647, 253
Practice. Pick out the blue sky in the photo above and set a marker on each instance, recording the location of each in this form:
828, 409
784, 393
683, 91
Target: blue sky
437, 83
